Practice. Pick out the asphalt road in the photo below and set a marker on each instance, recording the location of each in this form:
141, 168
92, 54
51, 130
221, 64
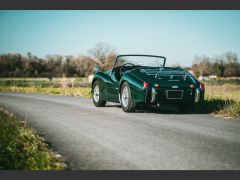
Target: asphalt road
107, 138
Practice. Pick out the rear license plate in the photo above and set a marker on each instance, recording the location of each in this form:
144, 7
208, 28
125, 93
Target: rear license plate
174, 94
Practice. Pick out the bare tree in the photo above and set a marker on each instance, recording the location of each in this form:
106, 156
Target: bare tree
103, 54
219, 65
110, 60
232, 67
202, 66
231, 57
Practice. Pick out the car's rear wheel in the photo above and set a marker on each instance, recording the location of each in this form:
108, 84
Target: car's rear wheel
126, 100
97, 95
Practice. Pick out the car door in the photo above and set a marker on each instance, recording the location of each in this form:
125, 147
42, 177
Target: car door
112, 89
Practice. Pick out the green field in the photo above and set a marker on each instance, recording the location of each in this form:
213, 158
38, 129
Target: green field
222, 97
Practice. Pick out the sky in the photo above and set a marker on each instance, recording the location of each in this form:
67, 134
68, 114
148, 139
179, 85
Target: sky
179, 35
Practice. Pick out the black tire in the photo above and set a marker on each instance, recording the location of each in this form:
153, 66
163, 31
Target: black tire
98, 102
129, 105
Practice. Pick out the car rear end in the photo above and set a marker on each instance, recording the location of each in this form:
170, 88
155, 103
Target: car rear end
175, 89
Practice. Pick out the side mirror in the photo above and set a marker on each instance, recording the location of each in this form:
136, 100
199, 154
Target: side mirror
97, 69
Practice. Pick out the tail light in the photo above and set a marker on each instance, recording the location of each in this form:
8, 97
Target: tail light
192, 86
145, 85
202, 86
156, 85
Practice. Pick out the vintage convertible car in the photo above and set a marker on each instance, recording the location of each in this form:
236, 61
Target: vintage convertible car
145, 81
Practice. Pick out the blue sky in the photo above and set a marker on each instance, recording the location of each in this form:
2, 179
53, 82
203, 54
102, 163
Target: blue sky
177, 35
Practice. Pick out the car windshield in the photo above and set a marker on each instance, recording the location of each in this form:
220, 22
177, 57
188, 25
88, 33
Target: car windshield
140, 60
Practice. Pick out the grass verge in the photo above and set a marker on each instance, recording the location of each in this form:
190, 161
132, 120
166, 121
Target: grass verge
21, 148
67, 91
223, 99
223, 107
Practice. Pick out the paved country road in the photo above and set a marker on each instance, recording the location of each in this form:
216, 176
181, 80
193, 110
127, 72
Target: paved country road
107, 138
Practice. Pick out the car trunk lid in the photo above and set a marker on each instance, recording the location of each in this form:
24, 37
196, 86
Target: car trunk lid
169, 78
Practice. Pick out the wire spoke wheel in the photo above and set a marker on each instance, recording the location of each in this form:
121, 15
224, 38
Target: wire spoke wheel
96, 93
125, 96
126, 100
97, 96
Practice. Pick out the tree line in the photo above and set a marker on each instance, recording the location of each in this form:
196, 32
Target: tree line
225, 65
29, 65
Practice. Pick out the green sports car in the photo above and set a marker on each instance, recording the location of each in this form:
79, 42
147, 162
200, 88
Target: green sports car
143, 80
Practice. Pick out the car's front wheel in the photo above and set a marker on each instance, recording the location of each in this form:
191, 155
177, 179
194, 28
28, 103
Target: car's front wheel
126, 100
97, 95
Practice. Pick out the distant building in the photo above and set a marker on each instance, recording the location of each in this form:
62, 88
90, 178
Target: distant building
203, 78
212, 77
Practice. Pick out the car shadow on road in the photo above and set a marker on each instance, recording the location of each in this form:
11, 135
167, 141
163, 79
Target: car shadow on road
209, 106
164, 109
114, 105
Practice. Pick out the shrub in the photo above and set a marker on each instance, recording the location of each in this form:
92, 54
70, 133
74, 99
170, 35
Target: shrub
22, 148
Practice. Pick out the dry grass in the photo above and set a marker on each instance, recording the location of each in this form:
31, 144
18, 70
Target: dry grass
223, 99
44, 82
68, 91
224, 91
